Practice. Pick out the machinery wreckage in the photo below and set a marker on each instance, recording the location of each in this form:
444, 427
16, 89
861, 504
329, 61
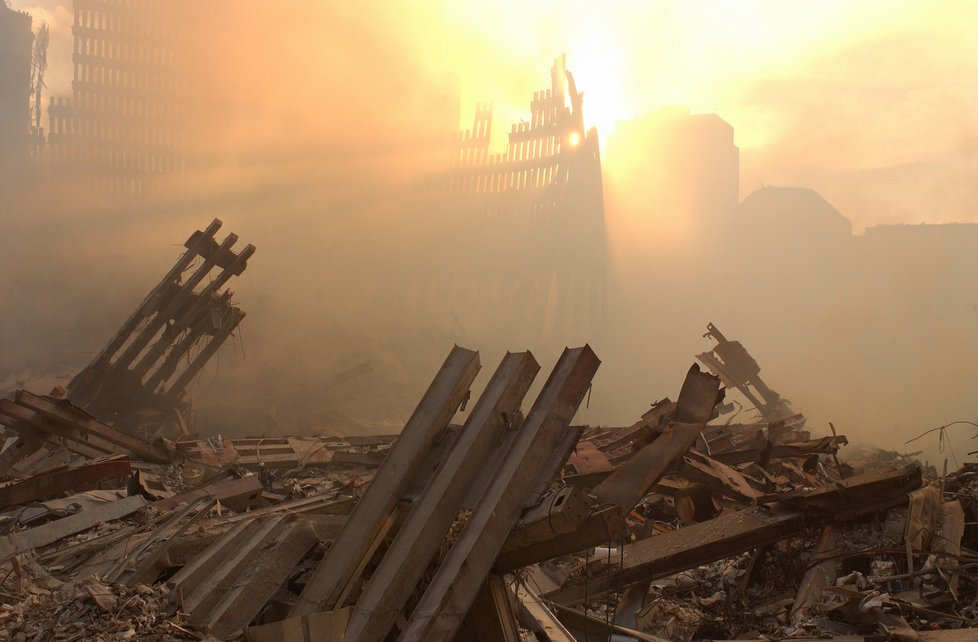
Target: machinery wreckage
118, 523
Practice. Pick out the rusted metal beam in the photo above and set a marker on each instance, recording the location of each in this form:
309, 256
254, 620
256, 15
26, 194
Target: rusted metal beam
632, 480
859, 494
599, 527
66, 479
432, 515
29, 422
76, 420
459, 577
393, 478
675, 551
823, 446
195, 246
736, 532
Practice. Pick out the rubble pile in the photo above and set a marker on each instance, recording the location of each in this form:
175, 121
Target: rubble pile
511, 525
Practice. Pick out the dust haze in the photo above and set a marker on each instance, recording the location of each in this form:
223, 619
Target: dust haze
323, 134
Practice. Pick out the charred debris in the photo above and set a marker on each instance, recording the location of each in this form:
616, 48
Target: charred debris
119, 523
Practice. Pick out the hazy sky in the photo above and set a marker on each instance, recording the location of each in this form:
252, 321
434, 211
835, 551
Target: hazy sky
872, 103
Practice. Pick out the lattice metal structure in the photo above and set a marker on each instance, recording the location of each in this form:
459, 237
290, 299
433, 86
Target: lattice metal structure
178, 327
541, 153
16, 41
117, 129
532, 218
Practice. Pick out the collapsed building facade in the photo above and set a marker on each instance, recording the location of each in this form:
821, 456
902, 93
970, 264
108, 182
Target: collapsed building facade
16, 41
118, 129
528, 224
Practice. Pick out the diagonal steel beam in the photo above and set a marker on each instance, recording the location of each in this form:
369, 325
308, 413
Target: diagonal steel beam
461, 574
393, 478
423, 531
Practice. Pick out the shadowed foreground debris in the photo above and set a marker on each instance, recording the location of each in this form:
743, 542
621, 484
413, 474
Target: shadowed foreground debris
511, 525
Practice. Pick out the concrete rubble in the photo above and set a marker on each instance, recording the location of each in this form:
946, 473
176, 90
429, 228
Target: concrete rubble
515, 524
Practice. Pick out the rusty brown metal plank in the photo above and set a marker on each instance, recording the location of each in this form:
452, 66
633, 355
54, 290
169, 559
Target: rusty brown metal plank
460, 575
176, 388
432, 515
67, 414
29, 422
675, 551
164, 313
632, 480
823, 446
393, 478
599, 527
722, 479
737, 532
66, 479
858, 494
371, 459
195, 246
587, 459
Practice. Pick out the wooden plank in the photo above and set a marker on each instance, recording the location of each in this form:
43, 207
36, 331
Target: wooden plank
51, 532
393, 478
425, 527
460, 575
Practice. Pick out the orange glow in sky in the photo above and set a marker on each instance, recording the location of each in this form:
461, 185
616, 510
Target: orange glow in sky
817, 92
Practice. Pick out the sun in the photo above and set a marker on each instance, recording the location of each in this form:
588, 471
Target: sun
596, 65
